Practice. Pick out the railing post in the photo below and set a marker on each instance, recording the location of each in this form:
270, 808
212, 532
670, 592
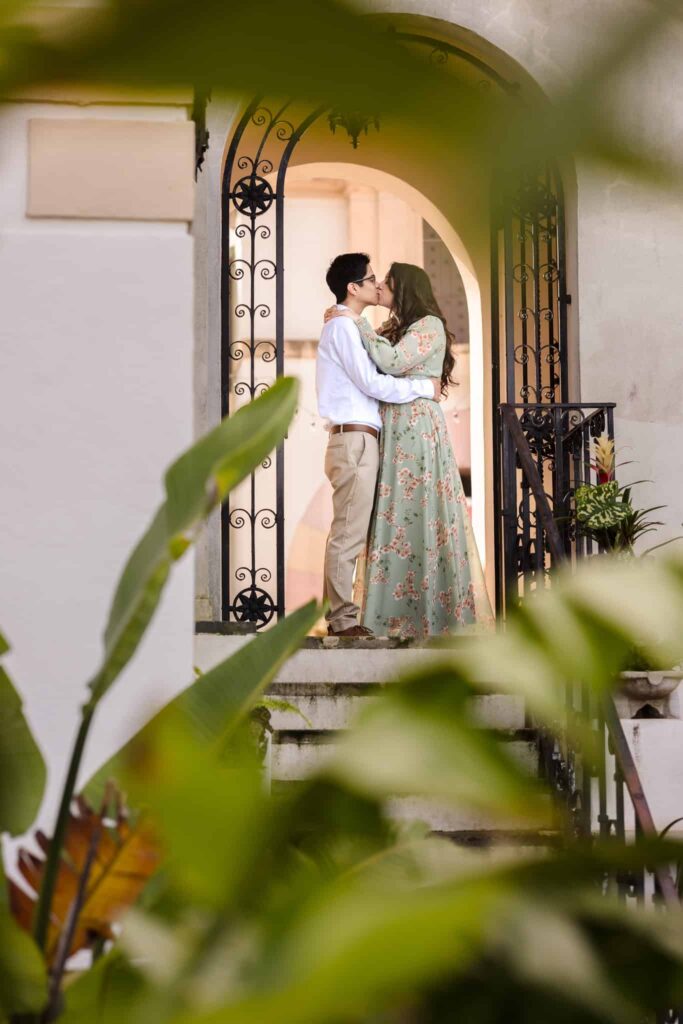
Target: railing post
509, 514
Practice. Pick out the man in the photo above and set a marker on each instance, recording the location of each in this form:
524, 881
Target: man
350, 388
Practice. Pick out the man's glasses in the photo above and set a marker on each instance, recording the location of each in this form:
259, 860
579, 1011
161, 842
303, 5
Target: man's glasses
372, 279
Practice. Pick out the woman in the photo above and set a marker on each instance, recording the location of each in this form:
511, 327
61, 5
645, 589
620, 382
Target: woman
423, 575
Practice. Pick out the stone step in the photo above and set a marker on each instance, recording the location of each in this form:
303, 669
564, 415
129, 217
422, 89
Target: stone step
334, 706
519, 839
296, 753
331, 681
335, 662
463, 826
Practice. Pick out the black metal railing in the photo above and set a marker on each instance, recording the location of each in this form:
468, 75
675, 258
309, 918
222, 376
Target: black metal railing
554, 440
546, 455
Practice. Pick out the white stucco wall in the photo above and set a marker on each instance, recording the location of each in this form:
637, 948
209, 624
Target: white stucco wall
95, 400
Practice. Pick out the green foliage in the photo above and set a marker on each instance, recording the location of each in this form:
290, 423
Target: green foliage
605, 512
22, 769
106, 994
314, 906
198, 481
195, 484
439, 759
301, 50
23, 977
601, 506
217, 702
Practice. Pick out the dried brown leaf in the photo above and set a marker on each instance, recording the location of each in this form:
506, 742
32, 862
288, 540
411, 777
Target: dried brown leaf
123, 857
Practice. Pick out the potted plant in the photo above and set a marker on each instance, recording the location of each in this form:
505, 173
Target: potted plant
605, 513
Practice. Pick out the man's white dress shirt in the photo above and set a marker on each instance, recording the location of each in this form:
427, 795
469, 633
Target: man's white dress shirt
349, 385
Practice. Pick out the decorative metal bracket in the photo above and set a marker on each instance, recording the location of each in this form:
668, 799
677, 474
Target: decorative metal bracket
353, 122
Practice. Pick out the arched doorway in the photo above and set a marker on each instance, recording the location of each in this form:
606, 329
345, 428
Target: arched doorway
519, 277
338, 207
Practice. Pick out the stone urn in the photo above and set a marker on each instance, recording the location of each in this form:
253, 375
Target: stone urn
647, 693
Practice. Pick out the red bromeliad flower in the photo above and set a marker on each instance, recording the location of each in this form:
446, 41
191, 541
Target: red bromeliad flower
604, 459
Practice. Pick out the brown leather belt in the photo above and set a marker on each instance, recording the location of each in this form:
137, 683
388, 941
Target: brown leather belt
347, 428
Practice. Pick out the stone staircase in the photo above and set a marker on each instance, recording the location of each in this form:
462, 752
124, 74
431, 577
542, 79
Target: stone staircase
329, 682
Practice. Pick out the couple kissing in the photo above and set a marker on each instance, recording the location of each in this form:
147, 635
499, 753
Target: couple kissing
397, 492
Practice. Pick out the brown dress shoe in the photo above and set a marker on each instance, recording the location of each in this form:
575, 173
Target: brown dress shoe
360, 632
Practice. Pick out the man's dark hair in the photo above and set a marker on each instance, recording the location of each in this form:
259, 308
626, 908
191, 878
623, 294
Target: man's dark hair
345, 270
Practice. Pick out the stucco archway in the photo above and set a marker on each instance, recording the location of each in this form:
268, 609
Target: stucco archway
466, 229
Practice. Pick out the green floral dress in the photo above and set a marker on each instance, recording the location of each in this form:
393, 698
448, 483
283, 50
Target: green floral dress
423, 575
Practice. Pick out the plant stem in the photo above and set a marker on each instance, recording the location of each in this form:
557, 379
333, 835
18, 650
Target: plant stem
41, 920
66, 938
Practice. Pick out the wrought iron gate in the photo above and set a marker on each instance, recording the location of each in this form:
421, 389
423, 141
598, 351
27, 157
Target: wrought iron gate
529, 358
252, 348
529, 351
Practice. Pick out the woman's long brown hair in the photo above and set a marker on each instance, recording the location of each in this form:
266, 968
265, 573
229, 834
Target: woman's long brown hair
413, 299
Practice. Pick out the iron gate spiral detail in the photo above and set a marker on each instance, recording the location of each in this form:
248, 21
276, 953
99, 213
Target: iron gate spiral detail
252, 348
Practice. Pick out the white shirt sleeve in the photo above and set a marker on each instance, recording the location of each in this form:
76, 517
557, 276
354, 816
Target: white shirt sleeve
347, 346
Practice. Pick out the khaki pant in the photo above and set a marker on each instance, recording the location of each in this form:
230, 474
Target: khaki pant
351, 466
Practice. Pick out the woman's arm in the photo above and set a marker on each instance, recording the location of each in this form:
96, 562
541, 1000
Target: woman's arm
412, 350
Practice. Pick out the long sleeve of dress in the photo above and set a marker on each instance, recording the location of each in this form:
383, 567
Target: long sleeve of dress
413, 353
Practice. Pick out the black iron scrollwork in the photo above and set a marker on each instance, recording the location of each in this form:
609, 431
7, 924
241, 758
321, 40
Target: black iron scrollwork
535, 302
529, 289
252, 347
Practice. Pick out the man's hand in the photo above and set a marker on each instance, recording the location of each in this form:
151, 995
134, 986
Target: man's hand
436, 381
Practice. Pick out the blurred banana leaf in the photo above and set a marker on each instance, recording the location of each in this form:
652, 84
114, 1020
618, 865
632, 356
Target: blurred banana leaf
211, 811
23, 976
357, 945
195, 484
108, 993
312, 906
305, 49
198, 481
22, 769
420, 741
584, 629
216, 703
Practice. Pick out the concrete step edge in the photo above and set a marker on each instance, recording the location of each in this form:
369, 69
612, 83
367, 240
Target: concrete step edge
303, 735
482, 838
360, 688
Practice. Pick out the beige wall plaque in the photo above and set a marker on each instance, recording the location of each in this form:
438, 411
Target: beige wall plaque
111, 169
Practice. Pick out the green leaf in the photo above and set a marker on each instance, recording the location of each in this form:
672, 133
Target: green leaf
108, 993
209, 811
545, 948
392, 940
22, 769
420, 741
195, 483
285, 706
227, 454
23, 975
217, 702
